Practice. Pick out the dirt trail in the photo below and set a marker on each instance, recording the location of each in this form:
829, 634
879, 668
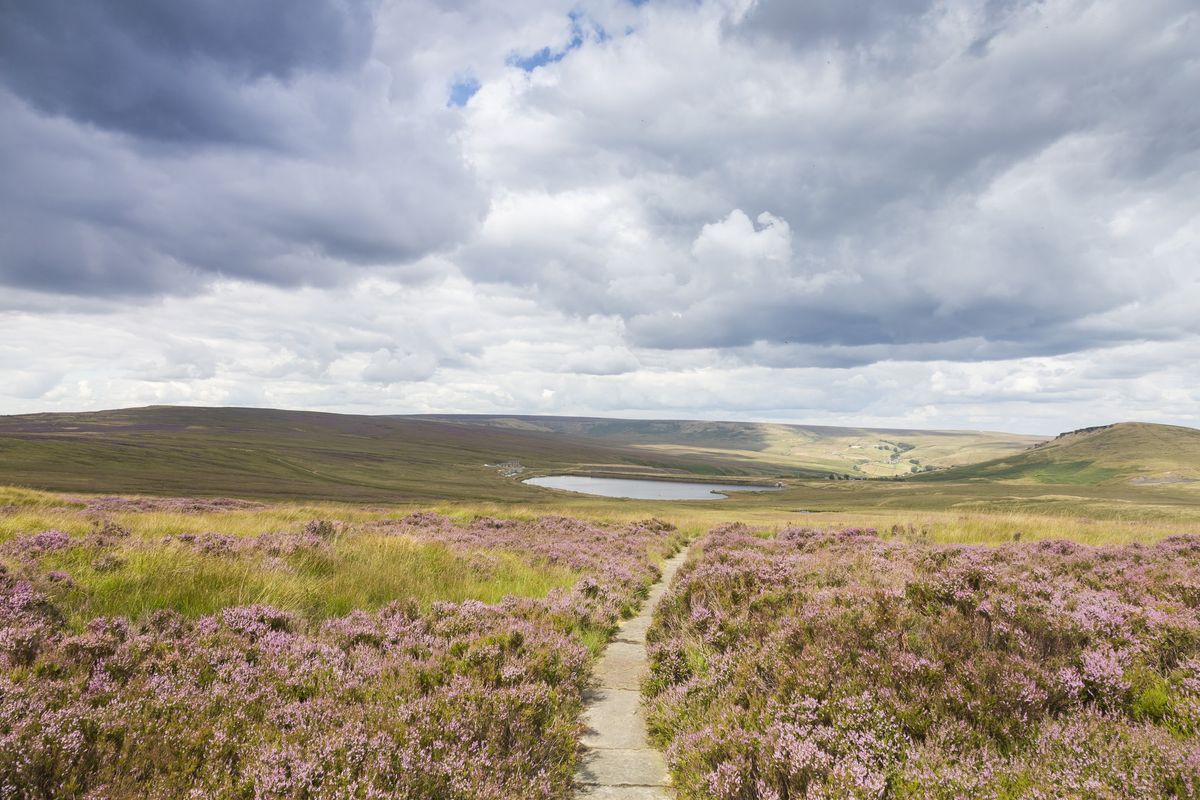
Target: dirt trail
620, 763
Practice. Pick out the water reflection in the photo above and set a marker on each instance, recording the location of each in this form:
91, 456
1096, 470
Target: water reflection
638, 489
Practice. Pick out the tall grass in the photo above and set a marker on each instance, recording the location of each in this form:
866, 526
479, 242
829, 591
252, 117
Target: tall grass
211, 665
25, 511
356, 571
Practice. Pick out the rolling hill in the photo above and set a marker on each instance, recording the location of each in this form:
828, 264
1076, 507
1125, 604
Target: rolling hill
271, 453
783, 449
1136, 453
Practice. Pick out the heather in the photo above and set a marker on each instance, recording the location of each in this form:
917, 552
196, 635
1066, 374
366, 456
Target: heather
844, 664
413, 658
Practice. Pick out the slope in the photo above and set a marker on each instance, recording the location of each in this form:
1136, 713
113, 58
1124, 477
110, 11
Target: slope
1137, 453
778, 448
271, 453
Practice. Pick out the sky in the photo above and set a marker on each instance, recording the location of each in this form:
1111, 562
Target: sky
925, 213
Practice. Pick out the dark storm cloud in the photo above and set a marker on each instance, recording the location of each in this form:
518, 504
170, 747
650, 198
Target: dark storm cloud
861, 321
765, 334
174, 71
841, 21
151, 148
885, 29
85, 215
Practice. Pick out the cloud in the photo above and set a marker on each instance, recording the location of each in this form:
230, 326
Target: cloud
843, 22
975, 212
392, 366
153, 151
601, 360
922, 195
177, 72
346, 349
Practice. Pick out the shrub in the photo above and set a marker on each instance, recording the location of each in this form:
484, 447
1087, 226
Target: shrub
838, 664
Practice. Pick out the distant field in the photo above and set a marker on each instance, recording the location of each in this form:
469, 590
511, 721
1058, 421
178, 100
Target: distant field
287, 454
864, 452
283, 454
1118, 484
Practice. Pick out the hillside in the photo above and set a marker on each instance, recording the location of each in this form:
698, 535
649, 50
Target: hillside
271, 453
1136, 453
783, 449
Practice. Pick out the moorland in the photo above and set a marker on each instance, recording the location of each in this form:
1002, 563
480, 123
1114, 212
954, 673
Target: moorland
256, 603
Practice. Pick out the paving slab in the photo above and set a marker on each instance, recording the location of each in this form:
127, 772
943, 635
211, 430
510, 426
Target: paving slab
614, 720
623, 767
619, 762
625, 793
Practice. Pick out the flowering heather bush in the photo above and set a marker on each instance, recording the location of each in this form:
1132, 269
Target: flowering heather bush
844, 665
178, 505
36, 544
414, 700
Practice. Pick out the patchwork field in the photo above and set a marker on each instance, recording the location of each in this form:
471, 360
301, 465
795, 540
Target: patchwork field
784, 449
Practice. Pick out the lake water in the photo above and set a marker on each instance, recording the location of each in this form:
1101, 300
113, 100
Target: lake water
643, 489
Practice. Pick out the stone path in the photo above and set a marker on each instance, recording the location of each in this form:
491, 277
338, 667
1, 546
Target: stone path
619, 763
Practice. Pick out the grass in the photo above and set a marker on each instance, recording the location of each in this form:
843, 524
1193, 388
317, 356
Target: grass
356, 469
1107, 455
1064, 472
991, 515
357, 571
296, 455
293, 455
1064, 490
296, 689
786, 449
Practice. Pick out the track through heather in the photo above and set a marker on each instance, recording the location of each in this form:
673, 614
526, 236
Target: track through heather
619, 762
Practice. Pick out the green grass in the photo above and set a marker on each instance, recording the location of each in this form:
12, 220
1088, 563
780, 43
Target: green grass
1073, 472
291, 455
974, 512
358, 571
402, 463
794, 450
358, 469
299, 455
1166, 454
362, 569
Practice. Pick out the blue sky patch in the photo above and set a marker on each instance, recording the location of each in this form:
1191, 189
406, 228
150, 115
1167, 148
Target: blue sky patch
461, 91
582, 28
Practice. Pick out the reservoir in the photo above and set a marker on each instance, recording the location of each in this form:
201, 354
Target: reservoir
635, 489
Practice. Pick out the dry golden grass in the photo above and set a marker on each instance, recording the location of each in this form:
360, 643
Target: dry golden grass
31, 511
